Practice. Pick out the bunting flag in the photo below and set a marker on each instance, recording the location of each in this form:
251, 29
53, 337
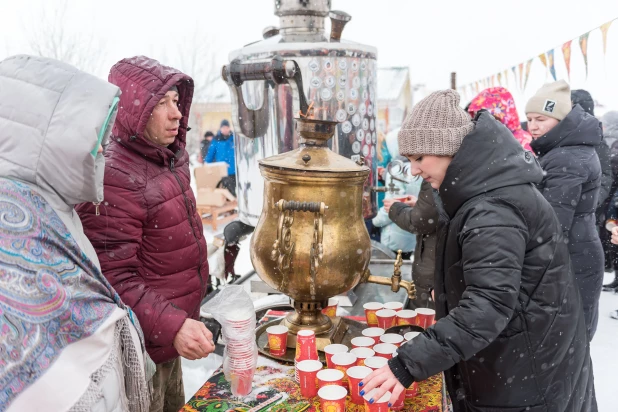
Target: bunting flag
543, 59
550, 63
521, 76
506, 78
514, 69
566, 52
583, 45
604, 30
493, 80
499, 79
528, 66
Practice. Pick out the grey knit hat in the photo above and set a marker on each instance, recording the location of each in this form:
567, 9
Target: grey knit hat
436, 126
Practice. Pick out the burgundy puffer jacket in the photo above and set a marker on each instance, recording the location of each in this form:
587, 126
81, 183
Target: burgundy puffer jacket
149, 236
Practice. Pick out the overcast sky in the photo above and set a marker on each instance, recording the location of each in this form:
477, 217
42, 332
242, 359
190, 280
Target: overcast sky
432, 37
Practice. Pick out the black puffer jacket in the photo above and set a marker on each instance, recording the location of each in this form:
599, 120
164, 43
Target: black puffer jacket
421, 220
511, 332
571, 185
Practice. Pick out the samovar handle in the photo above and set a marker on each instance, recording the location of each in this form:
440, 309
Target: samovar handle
254, 123
283, 246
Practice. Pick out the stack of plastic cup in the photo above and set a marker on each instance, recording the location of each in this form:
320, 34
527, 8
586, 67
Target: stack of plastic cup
306, 348
240, 351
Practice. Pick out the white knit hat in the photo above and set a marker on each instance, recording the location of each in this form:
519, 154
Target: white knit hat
552, 100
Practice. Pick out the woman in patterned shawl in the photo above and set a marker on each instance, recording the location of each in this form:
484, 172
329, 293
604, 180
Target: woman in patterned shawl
67, 342
500, 103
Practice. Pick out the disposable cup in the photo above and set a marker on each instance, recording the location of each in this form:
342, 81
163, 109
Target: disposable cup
385, 350
376, 362
306, 348
386, 318
425, 317
330, 377
277, 340
355, 375
342, 362
331, 309
392, 338
332, 398
406, 317
378, 405
373, 333
330, 350
362, 342
362, 354
396, 306
307, 374
370, 312
410, 335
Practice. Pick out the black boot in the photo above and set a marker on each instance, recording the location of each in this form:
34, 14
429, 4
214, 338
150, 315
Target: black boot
610, 287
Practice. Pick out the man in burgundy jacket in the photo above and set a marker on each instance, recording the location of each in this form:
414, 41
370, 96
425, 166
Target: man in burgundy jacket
147, 232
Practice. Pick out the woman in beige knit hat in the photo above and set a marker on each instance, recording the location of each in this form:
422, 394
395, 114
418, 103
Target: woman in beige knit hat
564, 141
503, 284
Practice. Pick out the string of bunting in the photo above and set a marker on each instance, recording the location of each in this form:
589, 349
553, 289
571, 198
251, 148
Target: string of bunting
521, 72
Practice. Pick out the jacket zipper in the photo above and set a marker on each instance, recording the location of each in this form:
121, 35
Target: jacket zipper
191, 221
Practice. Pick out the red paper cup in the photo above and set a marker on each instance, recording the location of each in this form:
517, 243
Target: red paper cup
392, 338
306, 348
362, 342
410, 335
396, 306
386, 318
385, 350
375, 362
330, 350
330, 377
378, 405
332, 398
370, 312
362, 354
373, 333
355, 375
307, 374
425, 317
331, 309
277, 340
406, 317
412, 390
399, 403
342, 362
241, 381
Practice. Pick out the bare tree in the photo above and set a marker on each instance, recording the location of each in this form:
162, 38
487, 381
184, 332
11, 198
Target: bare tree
48, 36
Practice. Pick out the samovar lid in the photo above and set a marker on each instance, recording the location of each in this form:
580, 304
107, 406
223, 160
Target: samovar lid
313, 154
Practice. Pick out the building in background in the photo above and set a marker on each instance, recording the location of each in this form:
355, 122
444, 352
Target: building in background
394, 97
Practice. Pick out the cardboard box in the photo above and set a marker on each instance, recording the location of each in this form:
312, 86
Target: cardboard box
213, 197
208, 175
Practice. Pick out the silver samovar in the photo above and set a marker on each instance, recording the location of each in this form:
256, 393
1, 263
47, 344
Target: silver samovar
339, 80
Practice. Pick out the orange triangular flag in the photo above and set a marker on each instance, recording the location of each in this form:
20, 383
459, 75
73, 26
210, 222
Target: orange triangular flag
583, 45
566, 52
604, 29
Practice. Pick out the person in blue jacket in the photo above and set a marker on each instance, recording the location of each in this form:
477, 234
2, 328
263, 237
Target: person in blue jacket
222, 150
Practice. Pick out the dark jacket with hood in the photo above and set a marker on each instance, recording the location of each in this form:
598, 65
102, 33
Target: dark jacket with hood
510, 334
584, 99
149, 236
571, 184
422, 220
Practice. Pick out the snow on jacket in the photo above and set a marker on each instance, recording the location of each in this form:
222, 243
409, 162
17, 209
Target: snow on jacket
222, 150
149, 236
51, 116
571, 183
500, 103
391, 235
510, 332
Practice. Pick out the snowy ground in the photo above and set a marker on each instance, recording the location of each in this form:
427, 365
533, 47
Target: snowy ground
195, 373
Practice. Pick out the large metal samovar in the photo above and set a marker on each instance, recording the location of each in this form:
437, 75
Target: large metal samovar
339, 78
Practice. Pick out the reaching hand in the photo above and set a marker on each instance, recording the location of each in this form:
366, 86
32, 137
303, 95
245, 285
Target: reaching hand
408, 200
194, 340
615, 235
385, 381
